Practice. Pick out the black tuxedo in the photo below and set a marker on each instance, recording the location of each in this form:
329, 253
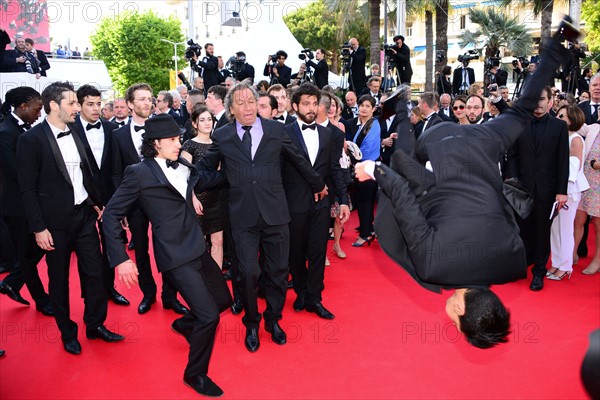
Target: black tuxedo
221, 122
246, 72
285, 74
309, 225
402, 58
584, 84
587, 111
258, 210
179, 249
210, 71
540, 159
434, 119
43, 62
457, 80
321, 73
347, 113
443, 84
444, 117
13, 214
124, 155
177, 116
288, 119
358, 59
48, 195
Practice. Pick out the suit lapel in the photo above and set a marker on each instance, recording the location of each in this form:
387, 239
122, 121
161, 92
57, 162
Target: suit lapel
322, 142
237, 140
129, 141
107, 143
266, 132
160, 175
298, 140
81, 132
60, 162
192, 181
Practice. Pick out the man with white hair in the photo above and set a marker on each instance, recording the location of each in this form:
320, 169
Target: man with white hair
230, 82
177, 111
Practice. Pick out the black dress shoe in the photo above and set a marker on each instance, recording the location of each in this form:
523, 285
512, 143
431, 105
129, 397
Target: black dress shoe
537, 283
12, 293
176, 306
146, 304
117, 297
290, 284
2, 352
72, 346
252, 342
102, 333
45, 309
237, 306
321, 311
277, 334
130, 246
299, 304
203, 385
180, 331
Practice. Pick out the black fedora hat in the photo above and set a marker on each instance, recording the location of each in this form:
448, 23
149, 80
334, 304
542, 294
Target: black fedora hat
161, 126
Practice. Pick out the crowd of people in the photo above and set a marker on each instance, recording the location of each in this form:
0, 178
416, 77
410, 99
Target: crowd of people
250, 182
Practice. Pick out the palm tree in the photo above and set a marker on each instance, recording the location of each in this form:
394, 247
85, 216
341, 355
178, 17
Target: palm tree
543, 7
416, 7
441, 33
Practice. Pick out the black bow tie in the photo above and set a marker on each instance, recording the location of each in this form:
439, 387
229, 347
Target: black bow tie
138, 128
172, 164
97, 125
25, 126
279, 118
311, 126
122, 123
63, 134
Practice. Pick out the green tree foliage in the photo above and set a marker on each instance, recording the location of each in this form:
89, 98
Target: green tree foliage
131, 48
328, 24
590, 13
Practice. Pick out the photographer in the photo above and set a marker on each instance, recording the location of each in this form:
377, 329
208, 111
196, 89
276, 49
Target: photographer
241, 69
572, 69
401, 55
358, 57
463, 77
498, 76
299, 77
277, 70
321, 73
442, 81
209, 67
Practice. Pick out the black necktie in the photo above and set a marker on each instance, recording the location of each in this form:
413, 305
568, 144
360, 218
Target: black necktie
62, 134
97, 125
247, 139
172, 164
595, 108
311, 126
279, 118
138, 128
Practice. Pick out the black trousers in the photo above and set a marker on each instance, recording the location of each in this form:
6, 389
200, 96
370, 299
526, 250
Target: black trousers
138, 225
535, 232
82, 237
203, 288
28, 257
274, 242
365, 204
309, 233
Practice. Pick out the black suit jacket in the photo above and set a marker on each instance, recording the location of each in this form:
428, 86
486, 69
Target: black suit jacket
587, 111
178, 117
11, 203
210, 72
403, 64
11, 64
434, 119
321, 73
4, 41
221, 122
44, 181
543, 169
347, 113
444, 117
300, 195
43, 62
246, 72
359, 77
255, 185
457, 79
285, 74
103, 176
443, 84
176, 233
124, 153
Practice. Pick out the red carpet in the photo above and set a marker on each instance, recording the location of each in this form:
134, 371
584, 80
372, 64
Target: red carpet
390, 340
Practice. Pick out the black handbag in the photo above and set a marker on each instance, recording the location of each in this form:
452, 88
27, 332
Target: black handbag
518, 197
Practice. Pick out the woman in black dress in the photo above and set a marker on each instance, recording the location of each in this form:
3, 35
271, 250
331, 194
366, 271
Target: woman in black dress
212, 200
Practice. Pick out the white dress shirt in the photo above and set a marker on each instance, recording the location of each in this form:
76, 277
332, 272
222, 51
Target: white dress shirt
137, 138
72, 159
311, 140
95, 138
177, 177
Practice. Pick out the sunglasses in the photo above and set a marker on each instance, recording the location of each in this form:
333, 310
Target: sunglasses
458, 108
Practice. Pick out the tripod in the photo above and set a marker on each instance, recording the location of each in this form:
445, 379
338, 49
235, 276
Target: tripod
573, 81
347, 79
388, 79
517, 92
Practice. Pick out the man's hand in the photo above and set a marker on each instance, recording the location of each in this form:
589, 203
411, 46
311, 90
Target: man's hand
562, 200
128, 273
389, 141
21, 59
44, 240
38, 75
197, 205
344, 214
359, 170
100, 211
321, 194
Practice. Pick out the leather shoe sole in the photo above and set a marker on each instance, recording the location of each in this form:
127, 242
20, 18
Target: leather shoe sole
252, 342
277, 334
72, 346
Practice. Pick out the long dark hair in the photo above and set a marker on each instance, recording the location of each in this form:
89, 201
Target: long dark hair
197, 111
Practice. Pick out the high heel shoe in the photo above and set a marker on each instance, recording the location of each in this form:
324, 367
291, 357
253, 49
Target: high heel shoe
366, 241
561, 276
551, 271
339, 252
591, 271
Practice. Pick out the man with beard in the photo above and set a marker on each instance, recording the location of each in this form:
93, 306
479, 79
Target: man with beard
128, 143
309, 225
474, 109
20, 60
121, 112
209, 67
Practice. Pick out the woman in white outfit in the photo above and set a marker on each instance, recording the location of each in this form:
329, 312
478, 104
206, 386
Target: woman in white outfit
562, 239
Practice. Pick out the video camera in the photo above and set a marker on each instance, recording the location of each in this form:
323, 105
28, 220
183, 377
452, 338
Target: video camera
193, 49
523, 60
390, 49
468, 56
235, 64
304, 53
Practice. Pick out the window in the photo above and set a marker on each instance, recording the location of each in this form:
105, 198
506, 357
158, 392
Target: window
463, 22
